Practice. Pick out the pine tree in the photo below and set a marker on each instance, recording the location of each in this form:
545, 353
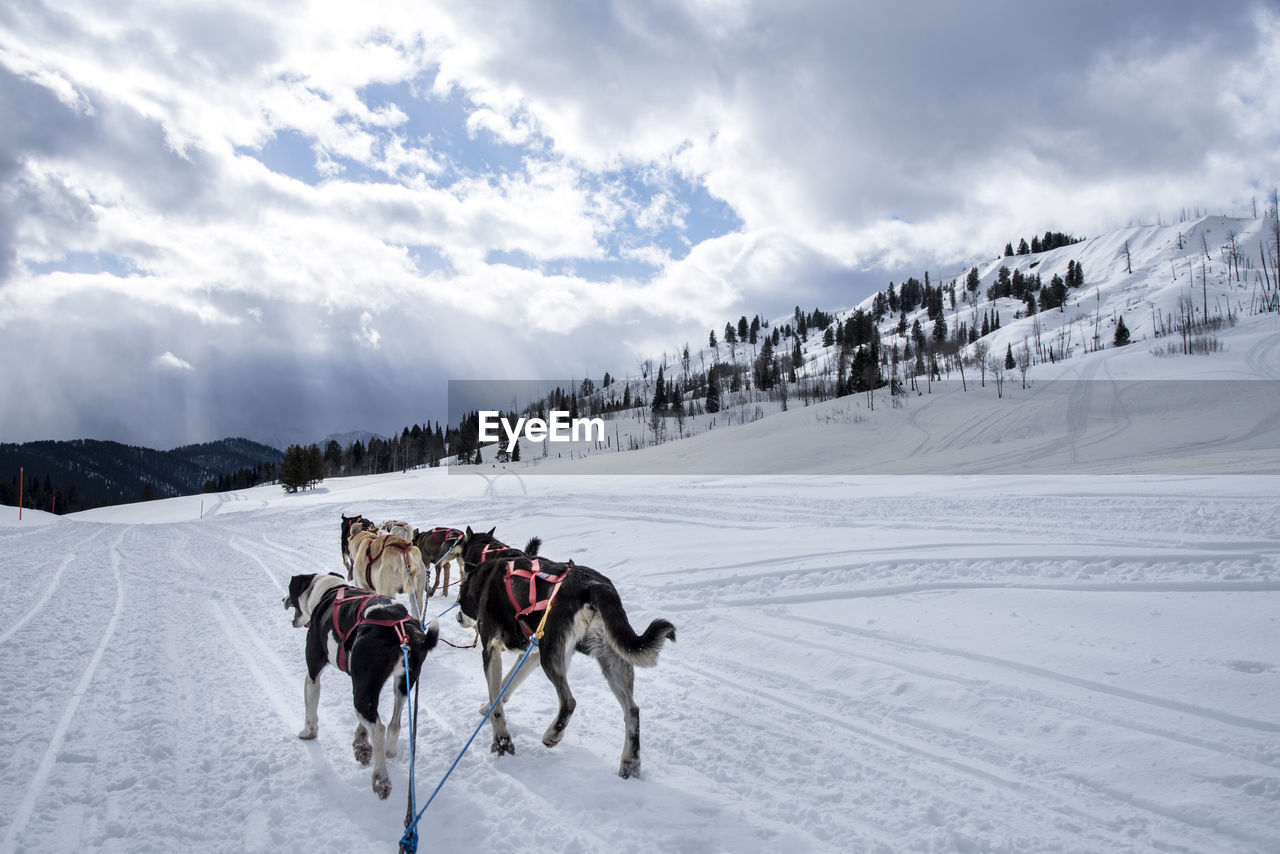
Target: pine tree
1008, 249
659, 393
315, 465
293, 469
1009, 362
1122, 333
712, 402
711, 342
1022, 247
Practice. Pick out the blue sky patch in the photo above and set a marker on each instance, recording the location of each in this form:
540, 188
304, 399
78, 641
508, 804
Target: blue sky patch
288, 153
86, 263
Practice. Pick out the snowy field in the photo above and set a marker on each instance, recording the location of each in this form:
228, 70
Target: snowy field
873, 663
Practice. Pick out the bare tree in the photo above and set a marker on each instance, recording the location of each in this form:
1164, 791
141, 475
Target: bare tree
981, 349
1024, 361
995, 364
657, 425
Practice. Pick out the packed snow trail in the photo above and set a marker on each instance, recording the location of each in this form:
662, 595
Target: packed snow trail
864, 664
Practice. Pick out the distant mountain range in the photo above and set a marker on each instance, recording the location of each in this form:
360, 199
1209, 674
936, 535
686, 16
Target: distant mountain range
89, 472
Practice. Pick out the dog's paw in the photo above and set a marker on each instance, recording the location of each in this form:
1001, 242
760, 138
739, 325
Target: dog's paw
381, 785
629, 768
363, 752
307, 733
391, 750
552, 737
502, 744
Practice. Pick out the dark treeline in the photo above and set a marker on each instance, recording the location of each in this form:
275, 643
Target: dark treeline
67, 477
1050, 240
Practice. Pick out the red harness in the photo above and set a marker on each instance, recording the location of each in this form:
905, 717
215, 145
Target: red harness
360, 599
369, 556
532, 575
440, 536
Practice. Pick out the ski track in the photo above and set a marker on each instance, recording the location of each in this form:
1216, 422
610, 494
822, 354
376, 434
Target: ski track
54, 580
35, 787
1005, 689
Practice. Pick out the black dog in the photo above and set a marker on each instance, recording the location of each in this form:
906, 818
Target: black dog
479, 547
349, 522
506, 599
366, 631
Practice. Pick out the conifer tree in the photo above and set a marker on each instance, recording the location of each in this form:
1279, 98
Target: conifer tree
1122, 333
1009, 362
712, 402
659, 393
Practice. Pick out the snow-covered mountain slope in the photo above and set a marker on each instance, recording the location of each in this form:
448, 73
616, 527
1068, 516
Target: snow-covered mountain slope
1079, 664
1082, 405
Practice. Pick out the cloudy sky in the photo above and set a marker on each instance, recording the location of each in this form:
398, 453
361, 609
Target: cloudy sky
282, 220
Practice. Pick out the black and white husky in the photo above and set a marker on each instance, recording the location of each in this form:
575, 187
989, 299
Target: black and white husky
505, 599
361, 633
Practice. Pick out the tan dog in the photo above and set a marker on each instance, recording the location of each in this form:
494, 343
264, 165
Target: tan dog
387, 564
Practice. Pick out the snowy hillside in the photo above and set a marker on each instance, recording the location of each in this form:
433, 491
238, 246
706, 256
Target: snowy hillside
1196, 286
864, 664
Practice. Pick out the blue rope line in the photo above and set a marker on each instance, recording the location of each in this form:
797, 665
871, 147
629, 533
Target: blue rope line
412, 828
409, 842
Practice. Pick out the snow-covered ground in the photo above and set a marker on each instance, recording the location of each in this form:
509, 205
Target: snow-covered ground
864, 664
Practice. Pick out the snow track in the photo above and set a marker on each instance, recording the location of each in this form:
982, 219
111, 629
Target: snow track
863, 665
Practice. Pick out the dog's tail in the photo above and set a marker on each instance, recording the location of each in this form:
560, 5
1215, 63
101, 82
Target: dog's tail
531, 547
425, 642
640, 650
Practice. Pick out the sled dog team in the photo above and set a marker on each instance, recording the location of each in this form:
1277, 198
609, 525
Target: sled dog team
506, 594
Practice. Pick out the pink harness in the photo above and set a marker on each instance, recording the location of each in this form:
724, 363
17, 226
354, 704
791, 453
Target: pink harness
532, 574
360, 598
439, 536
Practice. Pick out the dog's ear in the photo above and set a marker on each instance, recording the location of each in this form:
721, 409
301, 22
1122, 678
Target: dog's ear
491, 530
468, 532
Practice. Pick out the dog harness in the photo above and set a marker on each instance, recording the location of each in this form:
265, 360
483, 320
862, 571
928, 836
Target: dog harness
534, 604
440, 536
370, 557
359, 599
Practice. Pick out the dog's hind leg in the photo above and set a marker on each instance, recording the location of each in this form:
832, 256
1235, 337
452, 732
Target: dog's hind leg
370, 739
360, 743
556, 665
393, 726
311, 696
620, 675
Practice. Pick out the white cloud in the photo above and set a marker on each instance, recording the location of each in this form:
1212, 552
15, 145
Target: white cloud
169, 362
